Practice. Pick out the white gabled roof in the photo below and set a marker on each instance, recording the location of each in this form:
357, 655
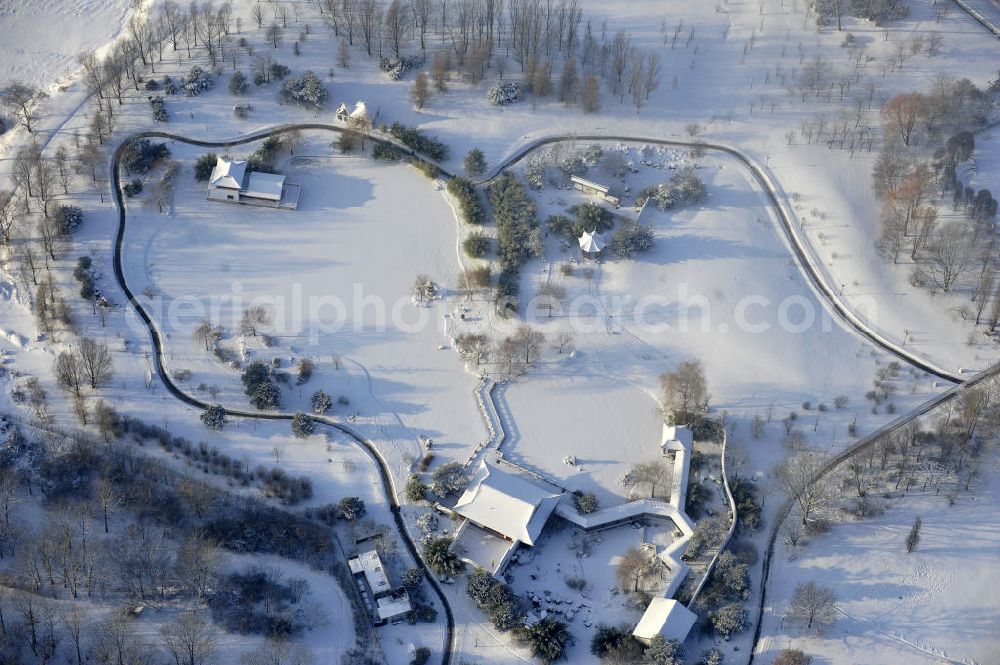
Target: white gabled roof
228, 174
667, 617
264, 185
589, 242
507, 503
342, 109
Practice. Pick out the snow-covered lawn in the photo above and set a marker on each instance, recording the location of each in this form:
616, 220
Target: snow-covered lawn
941, 598
337, 275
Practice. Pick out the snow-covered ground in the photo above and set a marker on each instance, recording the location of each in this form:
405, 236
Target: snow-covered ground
378, 226
42, 38
939, 600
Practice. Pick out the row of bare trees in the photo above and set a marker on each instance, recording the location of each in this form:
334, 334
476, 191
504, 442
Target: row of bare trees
945, 458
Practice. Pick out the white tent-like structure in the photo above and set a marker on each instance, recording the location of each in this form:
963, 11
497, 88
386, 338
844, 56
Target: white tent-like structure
667, 617
591, 246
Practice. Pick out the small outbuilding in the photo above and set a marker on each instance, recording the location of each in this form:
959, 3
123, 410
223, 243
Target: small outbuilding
384, 602
343, 115
591, 246
667, 617
594, 189
230, 182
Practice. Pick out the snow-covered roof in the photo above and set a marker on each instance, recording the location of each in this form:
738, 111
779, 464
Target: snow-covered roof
393, 606
677, 436
667, 617
583, 182
342, 109
589, 242
360, 110
264, 185
370, 565
228, 174
507, 503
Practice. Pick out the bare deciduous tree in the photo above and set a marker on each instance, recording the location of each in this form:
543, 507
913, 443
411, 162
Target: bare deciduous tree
812, 605
254, 319
799, 478
22, 100
96, 361
191, 639
69, 372
684, 390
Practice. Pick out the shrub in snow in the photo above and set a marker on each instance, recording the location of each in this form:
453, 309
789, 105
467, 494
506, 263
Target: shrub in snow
258, 386
396, 70
420, 656
151, 85
476, 245
139, 155
412, 577
169, 87
593, 153
449, 478
352, 508
573, 166
502, 94
132, 187
242, 111
278, 71
196, 82
475, 162
683, 188
306, 90
427, 522
386, 152
214, 417
713, 657
534, 173
662, 651
592, 217
470, 207
416, 489
69, 218
321, 402
586, 503
83, 274
730, 619
302, 425
792, 657
257, 601
494, 598
159, 109
238, 83
631, 238
417, 140
204, 166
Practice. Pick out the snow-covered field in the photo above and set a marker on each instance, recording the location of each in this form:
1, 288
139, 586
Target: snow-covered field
365, 230
894, 607
42, 38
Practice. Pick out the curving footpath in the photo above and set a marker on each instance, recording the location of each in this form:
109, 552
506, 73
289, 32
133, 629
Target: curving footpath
384, 475
763, 179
